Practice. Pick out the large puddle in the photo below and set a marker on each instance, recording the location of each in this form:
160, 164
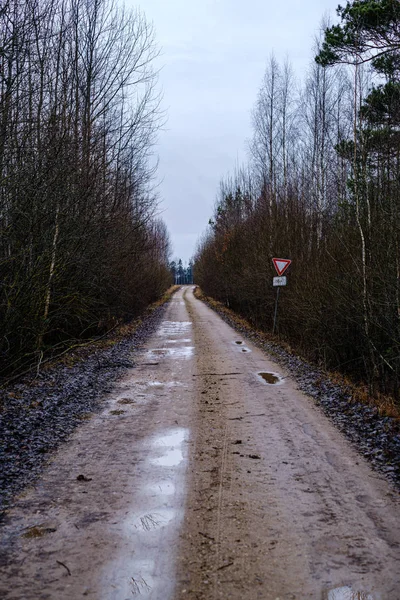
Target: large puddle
346, 592
145, 566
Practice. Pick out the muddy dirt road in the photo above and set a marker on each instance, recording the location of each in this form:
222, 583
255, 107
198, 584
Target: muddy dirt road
202, 480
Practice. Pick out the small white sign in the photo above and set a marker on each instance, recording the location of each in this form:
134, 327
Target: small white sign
279, 281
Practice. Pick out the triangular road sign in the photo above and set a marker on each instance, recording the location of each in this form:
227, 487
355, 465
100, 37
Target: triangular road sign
281, 264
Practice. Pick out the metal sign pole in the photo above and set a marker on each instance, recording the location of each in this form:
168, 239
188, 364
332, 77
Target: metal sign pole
276, 308
280, 264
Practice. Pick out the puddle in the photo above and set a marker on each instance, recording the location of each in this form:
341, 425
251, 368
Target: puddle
162, 488
144, 566
347, 593
173, 454
270, 378
184, 352
160, 384
155, 520
169, 328
172, 458
241, 345
143, 582
137, 578
174, 438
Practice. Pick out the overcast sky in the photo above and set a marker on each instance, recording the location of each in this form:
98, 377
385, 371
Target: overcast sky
214, 53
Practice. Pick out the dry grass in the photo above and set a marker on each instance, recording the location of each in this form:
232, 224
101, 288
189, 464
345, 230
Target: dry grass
386, 405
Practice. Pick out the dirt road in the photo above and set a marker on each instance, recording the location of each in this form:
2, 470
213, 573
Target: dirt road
201, 480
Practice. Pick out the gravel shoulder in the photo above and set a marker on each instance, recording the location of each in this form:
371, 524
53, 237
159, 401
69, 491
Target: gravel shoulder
38, 413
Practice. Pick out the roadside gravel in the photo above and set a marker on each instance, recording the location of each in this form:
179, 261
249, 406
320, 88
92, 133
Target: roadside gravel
376, 437
38, 413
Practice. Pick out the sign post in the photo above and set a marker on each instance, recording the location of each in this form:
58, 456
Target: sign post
276, 309
280, 264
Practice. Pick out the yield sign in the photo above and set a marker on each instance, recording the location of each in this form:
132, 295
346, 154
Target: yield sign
281, 264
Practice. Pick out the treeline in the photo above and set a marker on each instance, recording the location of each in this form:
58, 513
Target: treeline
80, 244
181, 275
323, 189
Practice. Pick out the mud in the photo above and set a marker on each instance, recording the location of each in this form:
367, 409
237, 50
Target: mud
211, 484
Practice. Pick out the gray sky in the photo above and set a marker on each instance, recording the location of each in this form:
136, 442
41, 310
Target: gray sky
214, 53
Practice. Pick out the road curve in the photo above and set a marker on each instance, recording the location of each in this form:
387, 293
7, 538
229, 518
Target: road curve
200, 480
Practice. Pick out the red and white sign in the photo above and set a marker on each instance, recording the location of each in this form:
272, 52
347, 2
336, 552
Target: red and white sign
281, 264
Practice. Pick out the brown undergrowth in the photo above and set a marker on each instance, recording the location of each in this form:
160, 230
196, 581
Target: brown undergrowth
386, 405
115, 335
80, 351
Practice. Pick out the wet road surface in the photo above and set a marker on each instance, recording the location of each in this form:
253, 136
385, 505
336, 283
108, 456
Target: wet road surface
208, 475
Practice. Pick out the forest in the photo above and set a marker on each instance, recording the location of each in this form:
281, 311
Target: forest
322, 188
81, 245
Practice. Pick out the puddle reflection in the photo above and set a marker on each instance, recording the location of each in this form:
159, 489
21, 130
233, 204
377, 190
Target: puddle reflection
162, 488
169, 328
270, 378
172, 442
347, 593
174, 438
161, 384
183, 352
172, 458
